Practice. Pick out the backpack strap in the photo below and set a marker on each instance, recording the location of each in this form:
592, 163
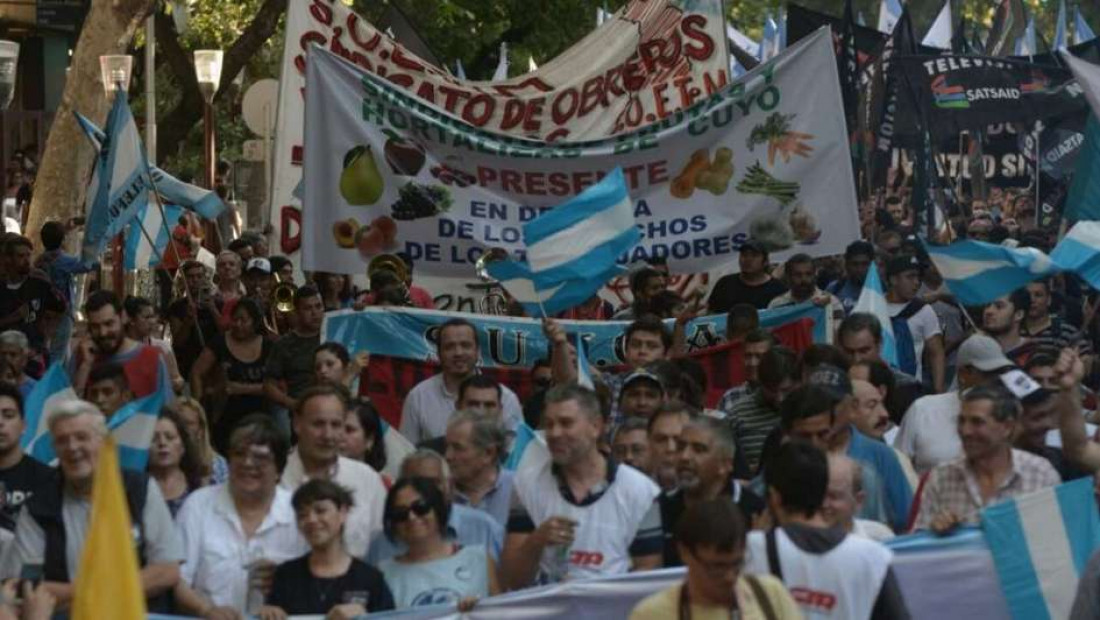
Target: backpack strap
773, 554
761, 597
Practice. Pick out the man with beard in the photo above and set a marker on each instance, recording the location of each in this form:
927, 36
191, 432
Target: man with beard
582, 514
21, 475
801, 276
430, 404
1003, 319
26, 297
705, 471
857, 260
107, 343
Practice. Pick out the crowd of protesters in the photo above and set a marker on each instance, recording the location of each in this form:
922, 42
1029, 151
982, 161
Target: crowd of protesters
274, 487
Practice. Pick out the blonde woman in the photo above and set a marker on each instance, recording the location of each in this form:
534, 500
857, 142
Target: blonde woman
212, 465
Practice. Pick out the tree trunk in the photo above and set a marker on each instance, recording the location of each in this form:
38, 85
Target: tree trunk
63, 174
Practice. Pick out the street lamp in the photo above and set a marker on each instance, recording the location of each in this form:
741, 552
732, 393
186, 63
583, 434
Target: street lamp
208, 72
115, 71
9, 58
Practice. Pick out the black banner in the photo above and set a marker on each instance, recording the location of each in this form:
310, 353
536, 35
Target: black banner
959, 93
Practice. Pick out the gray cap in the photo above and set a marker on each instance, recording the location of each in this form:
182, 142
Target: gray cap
982, 352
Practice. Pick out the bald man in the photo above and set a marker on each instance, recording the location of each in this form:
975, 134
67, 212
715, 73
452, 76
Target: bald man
844, 499
871, 418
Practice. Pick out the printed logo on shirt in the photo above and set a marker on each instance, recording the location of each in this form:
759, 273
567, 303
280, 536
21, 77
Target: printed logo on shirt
462, 573
586, 558
814, 600
435, 596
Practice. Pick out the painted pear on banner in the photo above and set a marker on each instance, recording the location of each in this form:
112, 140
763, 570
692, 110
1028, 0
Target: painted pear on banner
360, 183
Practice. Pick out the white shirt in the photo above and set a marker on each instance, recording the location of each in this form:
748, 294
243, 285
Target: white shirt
922, 325
929, 434
367, 490
872, 530
429, 407
217, 551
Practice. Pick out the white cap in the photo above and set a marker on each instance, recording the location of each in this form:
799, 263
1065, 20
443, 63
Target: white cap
982, 352
259, 264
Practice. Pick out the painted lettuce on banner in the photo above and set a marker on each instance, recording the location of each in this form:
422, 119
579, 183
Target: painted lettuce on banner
649, 60
506, 341
765, 156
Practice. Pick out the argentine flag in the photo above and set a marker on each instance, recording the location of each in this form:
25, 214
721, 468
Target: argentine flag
141, 253
584, 373
122, 183
132, 429
51, 390
978, 273
573, 249
204, 202
1040, 544
1081, 30
889, 12
770, 44
1077, 252
872, 300
1060, 27
939, 35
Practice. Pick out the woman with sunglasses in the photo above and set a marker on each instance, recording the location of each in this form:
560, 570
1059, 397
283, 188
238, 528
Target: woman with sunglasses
327, 580
434, 570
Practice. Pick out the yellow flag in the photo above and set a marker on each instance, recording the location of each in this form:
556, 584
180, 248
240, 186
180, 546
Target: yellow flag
108, 584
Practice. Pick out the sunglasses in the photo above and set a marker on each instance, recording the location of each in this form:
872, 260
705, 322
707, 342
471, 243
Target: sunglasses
419, 508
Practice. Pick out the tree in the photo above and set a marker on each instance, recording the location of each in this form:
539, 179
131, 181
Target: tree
62, 174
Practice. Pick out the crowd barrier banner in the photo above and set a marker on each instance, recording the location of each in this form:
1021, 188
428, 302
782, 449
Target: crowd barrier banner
403, 351
765, 156
648, 60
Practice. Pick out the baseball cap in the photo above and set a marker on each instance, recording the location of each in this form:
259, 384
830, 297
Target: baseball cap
259, 264
982, 352
901, 264
752, 245
832, 380
643, 375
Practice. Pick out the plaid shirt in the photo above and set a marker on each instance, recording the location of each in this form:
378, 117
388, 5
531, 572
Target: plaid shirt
953, 487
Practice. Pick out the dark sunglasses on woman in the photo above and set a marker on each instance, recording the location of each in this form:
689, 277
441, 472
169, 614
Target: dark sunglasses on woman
419, 508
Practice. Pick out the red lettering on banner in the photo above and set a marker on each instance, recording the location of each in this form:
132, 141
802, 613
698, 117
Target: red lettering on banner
694, 28
426, 92
633, 76
585, 558
660, 99
713, 86
559, 184
405, 62
404, 80
687, 94
338, 48
531, 114
353, 32
592, 94
559, 116
612, 83
321, 12
512, 115
650, 52
453, 95
485, 176
470, 115
817, 599
310, 36
558, 134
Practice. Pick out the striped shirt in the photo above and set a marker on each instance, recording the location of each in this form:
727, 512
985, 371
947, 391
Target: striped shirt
1058, 334
752, 420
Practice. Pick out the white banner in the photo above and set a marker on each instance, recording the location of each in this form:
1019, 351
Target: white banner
652, 58
767, 155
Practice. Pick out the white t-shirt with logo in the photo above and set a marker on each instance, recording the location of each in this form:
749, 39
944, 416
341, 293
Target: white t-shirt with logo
922, 326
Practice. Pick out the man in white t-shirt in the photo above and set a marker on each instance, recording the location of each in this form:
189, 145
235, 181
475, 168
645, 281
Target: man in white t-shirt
929, 432
924, 338
579, 514
828, 572
430, 404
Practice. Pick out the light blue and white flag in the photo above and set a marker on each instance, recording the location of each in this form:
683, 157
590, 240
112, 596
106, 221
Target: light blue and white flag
1026, 44
1081, 30
51, 390
460, 71
978, 273
529, 454
584, 373
1060, 27
204, 202
601, 16
147, 237
743, 41
1077, 252
573, 249
889, 12
501, 73
132, 428
872, 300
770, 43
122, 183
940, 33
1040, 544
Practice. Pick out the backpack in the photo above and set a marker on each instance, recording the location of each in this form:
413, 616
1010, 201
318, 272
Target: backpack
907, 351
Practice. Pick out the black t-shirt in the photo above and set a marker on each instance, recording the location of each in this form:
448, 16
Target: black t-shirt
731, 290
37, 294
21, 481
673, 507
297, 591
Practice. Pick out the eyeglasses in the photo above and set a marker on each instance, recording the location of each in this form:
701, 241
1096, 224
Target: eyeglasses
419, 508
